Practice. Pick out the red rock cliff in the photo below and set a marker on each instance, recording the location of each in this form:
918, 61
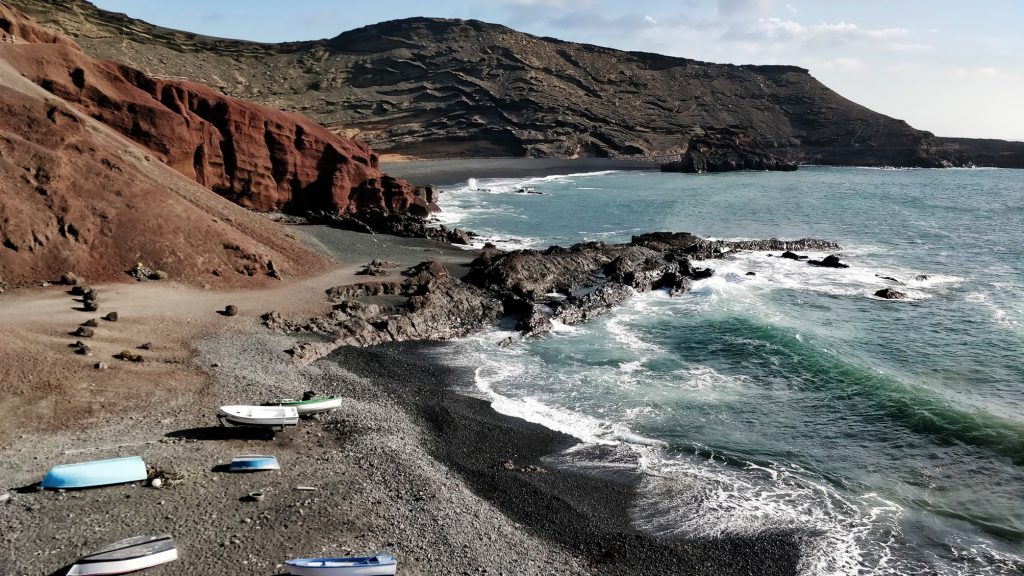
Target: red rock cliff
261, 158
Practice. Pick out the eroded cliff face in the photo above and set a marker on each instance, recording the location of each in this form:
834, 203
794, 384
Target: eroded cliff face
76, 196
261, 158
434, 87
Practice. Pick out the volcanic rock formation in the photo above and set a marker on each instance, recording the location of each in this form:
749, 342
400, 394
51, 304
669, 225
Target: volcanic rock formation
76, 195
260, 158
570, 285
434, 87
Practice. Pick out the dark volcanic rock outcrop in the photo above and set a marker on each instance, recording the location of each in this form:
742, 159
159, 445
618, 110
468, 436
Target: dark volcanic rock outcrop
830, 261
437, 87
568, 285
726, 151
261, 158
890, 294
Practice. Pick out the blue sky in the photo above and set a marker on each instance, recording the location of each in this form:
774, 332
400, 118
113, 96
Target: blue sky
955, 68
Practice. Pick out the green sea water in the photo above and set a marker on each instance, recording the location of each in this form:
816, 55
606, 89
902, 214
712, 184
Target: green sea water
889, 434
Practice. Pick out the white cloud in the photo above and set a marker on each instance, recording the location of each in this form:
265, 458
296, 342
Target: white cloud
776, 29
650, 20
745, 7
841, 64
550, 3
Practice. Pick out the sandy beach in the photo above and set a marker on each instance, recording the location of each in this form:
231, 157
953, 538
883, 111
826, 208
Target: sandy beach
407, 464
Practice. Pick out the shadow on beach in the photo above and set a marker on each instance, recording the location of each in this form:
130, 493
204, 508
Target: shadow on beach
215, 433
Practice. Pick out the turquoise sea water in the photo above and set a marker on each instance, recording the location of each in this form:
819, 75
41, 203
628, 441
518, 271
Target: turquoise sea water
889, 433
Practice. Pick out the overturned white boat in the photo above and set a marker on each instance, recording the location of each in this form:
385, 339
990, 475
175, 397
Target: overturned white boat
263, 416
126, 556
379, 565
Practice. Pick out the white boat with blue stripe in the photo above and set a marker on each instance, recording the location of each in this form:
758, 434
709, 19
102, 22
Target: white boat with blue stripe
379, 565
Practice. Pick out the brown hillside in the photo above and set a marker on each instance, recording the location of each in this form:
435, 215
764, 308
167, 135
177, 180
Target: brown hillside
75, 195
262, 158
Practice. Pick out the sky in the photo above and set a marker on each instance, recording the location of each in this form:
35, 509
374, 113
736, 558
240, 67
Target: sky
955, 68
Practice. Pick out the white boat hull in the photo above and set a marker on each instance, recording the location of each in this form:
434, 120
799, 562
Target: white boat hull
384, 565
123, 566
267, 416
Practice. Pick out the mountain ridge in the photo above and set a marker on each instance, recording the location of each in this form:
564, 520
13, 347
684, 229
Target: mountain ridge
441, 87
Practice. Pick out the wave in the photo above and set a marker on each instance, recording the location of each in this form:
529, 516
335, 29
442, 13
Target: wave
859, 280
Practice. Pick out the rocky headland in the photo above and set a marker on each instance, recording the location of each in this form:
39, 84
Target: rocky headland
431, 301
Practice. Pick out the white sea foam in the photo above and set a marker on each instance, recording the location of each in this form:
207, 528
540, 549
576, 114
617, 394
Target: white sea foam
999, 315
860, 278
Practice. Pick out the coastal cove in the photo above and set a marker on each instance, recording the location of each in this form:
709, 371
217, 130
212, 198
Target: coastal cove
511, 289
792, 398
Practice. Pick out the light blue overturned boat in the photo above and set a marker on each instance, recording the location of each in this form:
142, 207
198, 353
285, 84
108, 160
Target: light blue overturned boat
95, 473
379, 565
253, 463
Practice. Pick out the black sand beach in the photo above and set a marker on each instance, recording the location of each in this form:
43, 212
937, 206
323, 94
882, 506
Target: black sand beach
449, 172
586, 514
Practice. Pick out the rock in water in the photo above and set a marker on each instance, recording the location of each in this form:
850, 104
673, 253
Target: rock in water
890, 294
726, 150
830, 261
792, 256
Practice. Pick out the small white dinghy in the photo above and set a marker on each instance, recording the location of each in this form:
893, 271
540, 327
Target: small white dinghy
127, 556
264, 416
379, 565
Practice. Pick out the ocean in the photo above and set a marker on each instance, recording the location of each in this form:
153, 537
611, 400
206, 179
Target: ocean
887, 435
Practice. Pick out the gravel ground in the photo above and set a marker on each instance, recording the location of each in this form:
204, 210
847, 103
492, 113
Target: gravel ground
377, 486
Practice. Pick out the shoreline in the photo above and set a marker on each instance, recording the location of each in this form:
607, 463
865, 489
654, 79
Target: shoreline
587, 513
451, 172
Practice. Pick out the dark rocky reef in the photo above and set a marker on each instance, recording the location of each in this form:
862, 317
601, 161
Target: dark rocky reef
395, 224
726, 150
438, 88
890, 294
535, 288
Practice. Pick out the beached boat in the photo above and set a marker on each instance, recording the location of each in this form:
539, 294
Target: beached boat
95, 473
379, 565
309, 406
253, 463
265, 416
127, 556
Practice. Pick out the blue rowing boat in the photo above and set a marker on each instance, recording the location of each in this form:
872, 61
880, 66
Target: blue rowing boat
95, 473
253, 463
